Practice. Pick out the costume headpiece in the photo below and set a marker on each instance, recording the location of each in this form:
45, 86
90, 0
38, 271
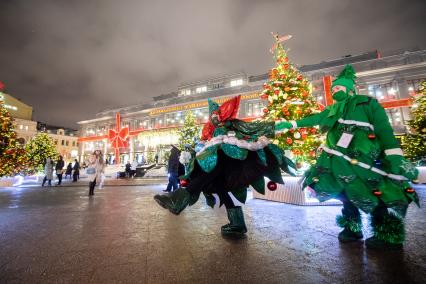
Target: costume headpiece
227, 111
346, 78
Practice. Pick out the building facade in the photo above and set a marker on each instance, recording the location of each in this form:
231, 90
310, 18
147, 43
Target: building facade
64, 139
391, 78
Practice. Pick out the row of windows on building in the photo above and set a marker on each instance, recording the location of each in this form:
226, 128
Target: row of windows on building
213, 86
66, 143
248, 109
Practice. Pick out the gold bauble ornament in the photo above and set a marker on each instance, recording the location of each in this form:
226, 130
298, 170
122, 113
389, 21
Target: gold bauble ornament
354, 161
315, 179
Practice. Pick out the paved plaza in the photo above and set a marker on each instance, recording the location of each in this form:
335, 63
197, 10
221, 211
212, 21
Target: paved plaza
60, 235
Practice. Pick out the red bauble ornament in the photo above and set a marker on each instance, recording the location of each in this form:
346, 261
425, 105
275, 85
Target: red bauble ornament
276, 92
289, 140
299, 77
264, 96
265, 110
283, 76
286, 66
313, 130
1, 86
272, 186
409, 190
312, 153
10, 151
371, 136
377, 192
184, 183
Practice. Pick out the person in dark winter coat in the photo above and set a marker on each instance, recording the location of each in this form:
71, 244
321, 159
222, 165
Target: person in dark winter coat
173, 169
68, 171
76, 168
59, 166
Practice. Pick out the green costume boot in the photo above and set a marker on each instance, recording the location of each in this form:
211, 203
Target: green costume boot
175, 201
237, 227
388, 232
350, 221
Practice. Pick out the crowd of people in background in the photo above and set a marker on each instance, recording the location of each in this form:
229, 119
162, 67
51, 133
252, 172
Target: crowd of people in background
50, 167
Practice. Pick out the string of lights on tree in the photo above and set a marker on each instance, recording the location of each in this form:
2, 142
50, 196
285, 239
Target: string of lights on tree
414, 143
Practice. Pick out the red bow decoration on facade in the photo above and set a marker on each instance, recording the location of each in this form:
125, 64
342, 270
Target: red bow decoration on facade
227, 111
118, 139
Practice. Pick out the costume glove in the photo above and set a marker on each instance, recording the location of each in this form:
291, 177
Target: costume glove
281, 125
401, 166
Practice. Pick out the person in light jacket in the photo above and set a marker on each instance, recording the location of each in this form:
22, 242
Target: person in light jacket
48, 172
95, 168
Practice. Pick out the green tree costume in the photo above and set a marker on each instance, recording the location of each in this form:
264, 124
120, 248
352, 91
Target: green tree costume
361, 164
234, 154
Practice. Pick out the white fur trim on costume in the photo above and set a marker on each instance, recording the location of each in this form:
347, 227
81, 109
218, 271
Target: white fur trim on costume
357, 123
294, 123
395, 151
261, 143
363, 165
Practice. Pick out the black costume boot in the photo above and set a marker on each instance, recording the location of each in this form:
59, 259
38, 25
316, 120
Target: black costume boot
237, 227
350, 221
175, 201
388, 231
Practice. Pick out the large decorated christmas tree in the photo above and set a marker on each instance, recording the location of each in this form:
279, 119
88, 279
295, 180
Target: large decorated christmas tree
414, 144
38, 149
12, 154
189, 132
289, 97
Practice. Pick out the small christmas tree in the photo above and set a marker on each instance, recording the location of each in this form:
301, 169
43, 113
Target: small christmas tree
414, 144
189, 132
290, 98
12, 153
38, 149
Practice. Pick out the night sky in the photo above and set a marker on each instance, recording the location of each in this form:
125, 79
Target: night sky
70, 59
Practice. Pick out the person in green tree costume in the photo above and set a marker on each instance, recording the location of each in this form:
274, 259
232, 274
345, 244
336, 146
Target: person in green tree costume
361, 164
233, 155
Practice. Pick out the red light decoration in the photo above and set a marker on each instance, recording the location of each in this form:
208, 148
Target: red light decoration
118, 137
184, 183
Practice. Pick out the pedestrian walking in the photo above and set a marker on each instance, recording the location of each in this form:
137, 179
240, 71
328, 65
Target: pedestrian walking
68, 171
173, 169
59, 169
76, 169
95, 169
48, 172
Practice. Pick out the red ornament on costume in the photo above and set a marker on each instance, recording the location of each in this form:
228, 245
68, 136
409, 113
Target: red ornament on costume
184, 183
272, 186
409, 190
371, 136
377, 192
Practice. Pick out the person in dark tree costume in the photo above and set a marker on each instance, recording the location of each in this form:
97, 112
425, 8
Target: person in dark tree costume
361, 164
234, 155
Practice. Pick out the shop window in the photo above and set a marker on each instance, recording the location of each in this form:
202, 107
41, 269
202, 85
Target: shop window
201, 89
62, 142
384, 92
237, 82
253, 109
66, 143
414, 85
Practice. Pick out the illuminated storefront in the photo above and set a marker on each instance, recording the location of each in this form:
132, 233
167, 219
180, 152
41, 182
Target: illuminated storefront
151, 128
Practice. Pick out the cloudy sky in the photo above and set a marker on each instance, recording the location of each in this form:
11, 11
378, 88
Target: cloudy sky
72, 58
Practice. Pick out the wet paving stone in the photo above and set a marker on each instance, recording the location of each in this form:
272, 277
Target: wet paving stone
60, 235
